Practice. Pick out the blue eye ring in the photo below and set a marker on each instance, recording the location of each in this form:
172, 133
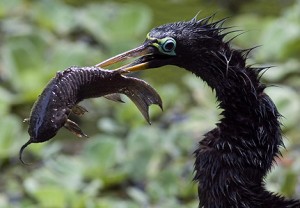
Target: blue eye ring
169, 45
165, 45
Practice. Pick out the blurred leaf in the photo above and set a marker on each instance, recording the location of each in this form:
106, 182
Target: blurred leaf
111, 202
27, 50
287, 102
250, 30
8, 7
102, 156
289, 184
281, 40
9, 132
108, 125
6, 99
60, 18
57, 199
102, 150
281, 71
64, 174
66, 54
119, 24
140, 146
284, 35
170, 94
138, 196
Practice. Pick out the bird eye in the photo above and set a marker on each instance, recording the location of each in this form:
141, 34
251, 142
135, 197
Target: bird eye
168, 45
165, 45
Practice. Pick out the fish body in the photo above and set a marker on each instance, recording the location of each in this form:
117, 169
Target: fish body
62, 94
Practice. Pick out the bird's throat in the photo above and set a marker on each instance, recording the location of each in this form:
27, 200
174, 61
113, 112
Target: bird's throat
232, 159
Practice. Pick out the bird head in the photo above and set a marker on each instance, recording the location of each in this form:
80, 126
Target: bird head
182, 44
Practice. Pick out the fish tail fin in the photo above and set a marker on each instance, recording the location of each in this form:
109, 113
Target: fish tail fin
142, 94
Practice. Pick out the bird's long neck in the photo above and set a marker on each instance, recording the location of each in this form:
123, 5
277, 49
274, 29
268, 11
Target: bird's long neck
233, 159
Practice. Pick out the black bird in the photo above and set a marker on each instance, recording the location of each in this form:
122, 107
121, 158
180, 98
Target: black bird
233, 159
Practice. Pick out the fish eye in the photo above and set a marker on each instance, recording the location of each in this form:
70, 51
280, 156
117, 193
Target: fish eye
168, 44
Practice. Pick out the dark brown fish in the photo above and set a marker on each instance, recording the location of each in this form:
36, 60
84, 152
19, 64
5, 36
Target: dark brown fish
62, 94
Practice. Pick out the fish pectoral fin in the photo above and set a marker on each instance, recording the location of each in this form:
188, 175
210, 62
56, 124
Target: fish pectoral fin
79, 110
114, 97
74, 128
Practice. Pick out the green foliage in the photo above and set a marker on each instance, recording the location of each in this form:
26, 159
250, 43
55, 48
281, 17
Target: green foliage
284, 34
125, 163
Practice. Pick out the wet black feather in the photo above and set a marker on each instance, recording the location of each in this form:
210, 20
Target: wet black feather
233, 159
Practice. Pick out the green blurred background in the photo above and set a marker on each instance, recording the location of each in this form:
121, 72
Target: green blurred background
127, 163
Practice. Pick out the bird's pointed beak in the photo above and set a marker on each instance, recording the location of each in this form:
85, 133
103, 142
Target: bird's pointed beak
137, 65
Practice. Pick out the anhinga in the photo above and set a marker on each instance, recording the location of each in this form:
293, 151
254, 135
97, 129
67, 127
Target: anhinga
233, 159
